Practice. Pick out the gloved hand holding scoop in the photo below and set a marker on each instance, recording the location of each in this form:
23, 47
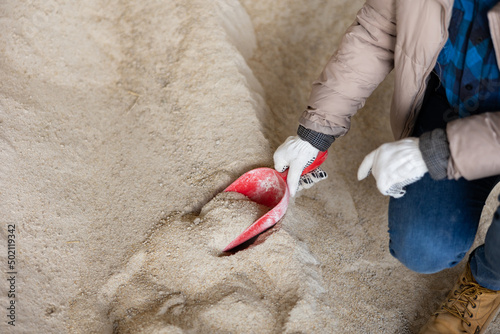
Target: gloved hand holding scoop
295, 154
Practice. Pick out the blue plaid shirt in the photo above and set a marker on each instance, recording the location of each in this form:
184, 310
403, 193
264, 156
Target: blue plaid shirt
467, 64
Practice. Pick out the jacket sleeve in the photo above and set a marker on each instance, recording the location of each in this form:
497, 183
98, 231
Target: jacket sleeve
474, 146
364, 58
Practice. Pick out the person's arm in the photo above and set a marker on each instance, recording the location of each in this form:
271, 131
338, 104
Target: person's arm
474, 146
469, 148
364, 58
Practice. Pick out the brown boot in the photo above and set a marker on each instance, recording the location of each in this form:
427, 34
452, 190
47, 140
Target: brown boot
469, 308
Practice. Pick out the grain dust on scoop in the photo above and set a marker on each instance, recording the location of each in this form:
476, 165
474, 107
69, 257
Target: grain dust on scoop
227, 216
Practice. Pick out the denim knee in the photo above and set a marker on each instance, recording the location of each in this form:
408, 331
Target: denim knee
433, 226
427, 253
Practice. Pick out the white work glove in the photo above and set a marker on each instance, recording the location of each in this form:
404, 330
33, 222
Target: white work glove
308, 180
394, 166
296, 154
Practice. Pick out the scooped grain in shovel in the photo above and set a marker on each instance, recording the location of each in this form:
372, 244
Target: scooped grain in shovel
228, 215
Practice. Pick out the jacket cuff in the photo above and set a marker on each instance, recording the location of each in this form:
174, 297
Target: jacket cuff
319, 140
436, 152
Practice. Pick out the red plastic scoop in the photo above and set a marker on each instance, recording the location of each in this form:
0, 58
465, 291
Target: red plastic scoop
268, 187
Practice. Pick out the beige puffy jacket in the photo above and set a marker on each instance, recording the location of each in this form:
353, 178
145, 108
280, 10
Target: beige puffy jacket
407, 36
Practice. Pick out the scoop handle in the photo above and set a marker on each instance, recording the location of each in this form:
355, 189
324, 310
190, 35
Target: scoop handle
320, 158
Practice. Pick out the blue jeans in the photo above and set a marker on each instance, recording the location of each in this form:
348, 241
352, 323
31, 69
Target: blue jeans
434, 224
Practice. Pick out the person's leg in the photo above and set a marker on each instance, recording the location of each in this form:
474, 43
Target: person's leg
485, 260
474, 301
434, 225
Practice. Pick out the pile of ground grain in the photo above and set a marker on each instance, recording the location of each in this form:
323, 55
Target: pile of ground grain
179, 281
